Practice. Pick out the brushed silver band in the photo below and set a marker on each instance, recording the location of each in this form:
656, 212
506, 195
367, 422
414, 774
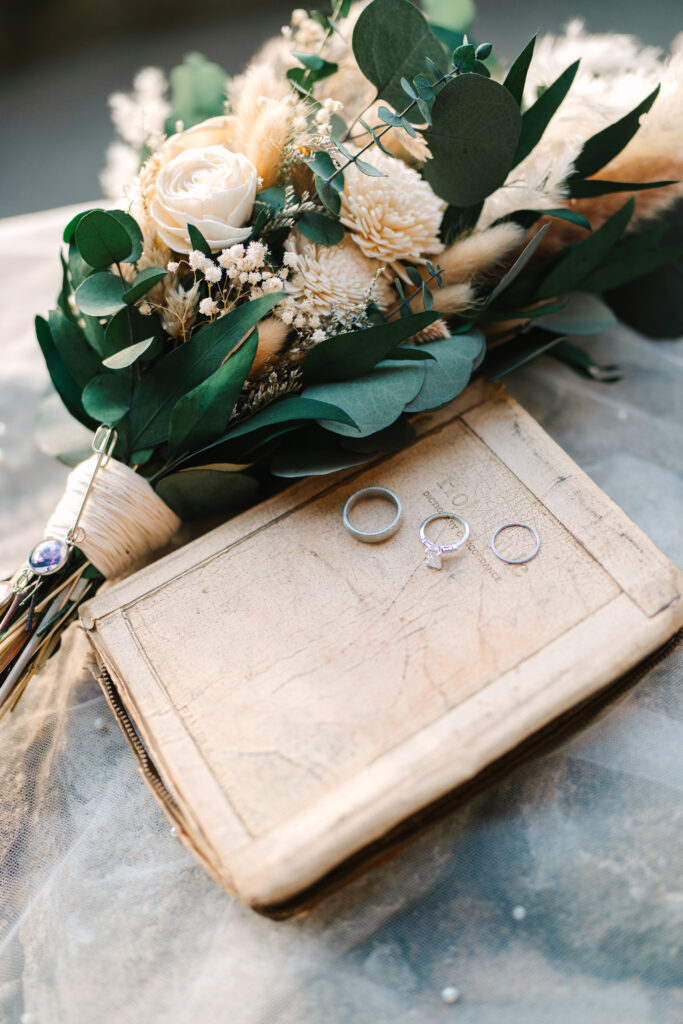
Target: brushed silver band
375, 536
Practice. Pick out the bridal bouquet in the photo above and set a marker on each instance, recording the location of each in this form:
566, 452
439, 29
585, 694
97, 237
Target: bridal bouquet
302, 257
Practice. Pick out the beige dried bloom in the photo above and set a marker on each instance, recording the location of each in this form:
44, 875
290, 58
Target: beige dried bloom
392, 218
179, 309
335, 279
272, 334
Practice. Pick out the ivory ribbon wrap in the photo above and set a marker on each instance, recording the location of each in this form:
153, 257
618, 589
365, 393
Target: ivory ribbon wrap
123, 520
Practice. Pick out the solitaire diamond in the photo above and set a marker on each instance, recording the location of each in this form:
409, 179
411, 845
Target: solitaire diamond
433, 558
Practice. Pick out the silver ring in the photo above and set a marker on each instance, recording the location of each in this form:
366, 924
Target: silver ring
434, 550
373, 536
515, 561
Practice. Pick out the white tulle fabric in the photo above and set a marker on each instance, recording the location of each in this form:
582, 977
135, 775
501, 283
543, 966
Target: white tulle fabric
124, 519
552, 896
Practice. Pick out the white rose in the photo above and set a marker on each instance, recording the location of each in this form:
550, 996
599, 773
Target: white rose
215, 131
211, 188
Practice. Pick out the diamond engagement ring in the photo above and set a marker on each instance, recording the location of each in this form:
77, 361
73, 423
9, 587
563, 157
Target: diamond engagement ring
434, 550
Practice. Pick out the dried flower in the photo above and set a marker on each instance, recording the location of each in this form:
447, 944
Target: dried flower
392, 218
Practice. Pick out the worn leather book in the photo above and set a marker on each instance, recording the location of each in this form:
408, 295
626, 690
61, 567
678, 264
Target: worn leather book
300, 701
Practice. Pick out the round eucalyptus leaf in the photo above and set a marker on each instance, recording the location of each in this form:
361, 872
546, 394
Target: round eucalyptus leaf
100, 294
107, 398
473, 138
130, 225
125, 356
102, 240
449, 372
374, 400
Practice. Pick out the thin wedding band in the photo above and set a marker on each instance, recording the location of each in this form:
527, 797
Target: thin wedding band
372, 536
515, 561
443, 548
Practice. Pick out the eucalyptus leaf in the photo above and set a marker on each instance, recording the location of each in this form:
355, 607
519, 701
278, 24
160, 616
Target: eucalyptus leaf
329, 194
320, 229
374, 400
102, 240
125, 356
107, 398
285, 409
127, 327
350, 355
202, 415
471, 154
449, 372
130, 225
187, 366
144, 282
67, 388
70, 229
526, 218
100, 294
537, 118
625, 265
390, 41
197, 492
314, 452
582, 313
77, 355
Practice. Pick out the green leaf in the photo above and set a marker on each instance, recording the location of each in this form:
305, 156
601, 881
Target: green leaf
200, 491
107, 398
187, 366
525, 218
390, 117
409, 352
70, 229
537, 118
198, 241
519, 264
374, 400
329, 195
390, 41
625, 266
373, 172
143, 283
350, 355
100, 294
513, 354
456, 15
130, 225
581, 258
102, 240
322, 164
202, 415
582, 313
515, 79
125, 356
66, 387
127, 327
579, 189
319, 228
270, 199
605, 145
450, 371
197, 91
286, 409
471, 154
583, 364
75, 352
315, 452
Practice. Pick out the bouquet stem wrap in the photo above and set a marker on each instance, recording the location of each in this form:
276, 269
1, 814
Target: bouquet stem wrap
124, 518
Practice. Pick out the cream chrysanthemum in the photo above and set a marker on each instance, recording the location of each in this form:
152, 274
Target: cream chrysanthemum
335, 280
392, 218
